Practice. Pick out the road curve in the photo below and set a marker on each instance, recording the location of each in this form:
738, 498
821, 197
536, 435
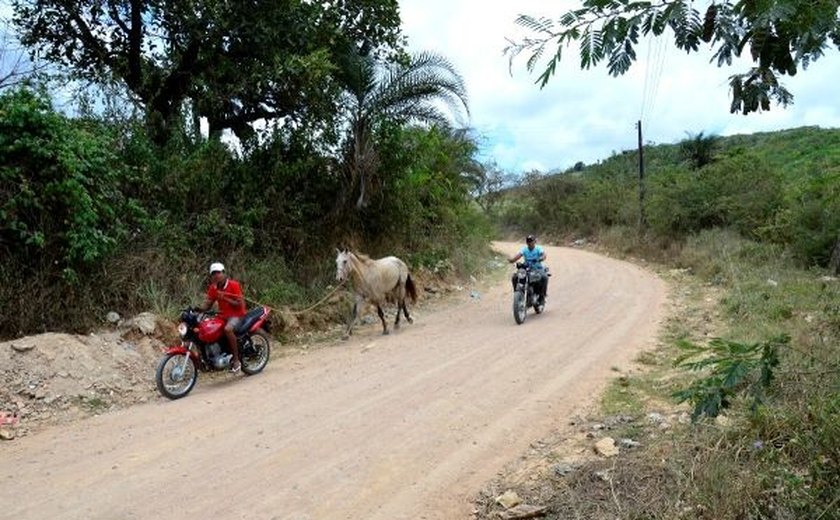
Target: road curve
409, 425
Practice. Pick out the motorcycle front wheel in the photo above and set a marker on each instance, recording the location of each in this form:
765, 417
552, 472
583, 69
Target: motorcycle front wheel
176, 375
255, 356
520, 307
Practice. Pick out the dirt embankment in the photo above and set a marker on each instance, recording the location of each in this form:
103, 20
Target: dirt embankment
53, 378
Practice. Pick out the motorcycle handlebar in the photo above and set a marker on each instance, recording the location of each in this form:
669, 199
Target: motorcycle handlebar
201, 313
520, 265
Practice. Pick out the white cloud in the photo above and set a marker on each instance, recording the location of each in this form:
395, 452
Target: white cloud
586, 115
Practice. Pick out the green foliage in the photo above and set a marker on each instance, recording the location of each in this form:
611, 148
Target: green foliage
488, 185
683, 202
810, 221
732, 367
381, 95
275, 282
699, 149
94, 404
427, 204
572, 203
799, 455
780, 37
159, 300
738, 190
780, 187
543, 194
777, 456
62, 199
235, 63
104, 202
607, 201
97, 214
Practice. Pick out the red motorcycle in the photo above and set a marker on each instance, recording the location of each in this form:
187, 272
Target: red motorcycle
204, 347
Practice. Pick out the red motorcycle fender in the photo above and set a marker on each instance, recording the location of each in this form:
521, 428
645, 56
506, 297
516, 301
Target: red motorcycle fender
180, 350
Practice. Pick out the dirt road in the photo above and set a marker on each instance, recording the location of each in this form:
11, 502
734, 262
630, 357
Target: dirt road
380, 427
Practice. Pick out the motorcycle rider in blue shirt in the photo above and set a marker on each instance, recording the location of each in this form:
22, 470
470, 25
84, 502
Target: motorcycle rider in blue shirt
534, 256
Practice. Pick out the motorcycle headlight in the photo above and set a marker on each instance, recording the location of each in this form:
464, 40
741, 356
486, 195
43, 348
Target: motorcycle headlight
182, 329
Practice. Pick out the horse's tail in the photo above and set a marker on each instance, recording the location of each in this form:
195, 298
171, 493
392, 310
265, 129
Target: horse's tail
410, 289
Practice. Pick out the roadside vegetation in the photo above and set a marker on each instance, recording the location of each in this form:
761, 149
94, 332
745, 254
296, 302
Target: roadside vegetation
751, 350
96, 219
127, 166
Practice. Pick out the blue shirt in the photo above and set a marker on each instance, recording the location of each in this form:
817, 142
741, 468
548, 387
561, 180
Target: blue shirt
532, 256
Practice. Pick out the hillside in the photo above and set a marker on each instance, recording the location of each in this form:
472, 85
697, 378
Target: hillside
776, 187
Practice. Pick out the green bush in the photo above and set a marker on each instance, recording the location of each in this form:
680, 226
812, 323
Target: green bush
682, 202
62, 200
425, 206
811, 223
739, 191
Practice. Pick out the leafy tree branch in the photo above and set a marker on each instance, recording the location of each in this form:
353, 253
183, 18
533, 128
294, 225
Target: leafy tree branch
779, 36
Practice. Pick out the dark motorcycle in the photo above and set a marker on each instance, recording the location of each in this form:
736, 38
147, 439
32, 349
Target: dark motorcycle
527, 292
204, 347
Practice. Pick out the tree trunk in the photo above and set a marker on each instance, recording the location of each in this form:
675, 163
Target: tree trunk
834, 263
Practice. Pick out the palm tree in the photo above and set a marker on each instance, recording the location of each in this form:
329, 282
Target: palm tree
423, 88
699, 150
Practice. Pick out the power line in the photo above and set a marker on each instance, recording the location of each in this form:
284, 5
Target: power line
647, 78
653, 76
662, 48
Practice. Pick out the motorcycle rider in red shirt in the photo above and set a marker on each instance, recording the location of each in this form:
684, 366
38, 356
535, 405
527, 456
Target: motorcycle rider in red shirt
228, 294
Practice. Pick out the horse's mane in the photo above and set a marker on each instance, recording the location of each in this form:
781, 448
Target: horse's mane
363, 257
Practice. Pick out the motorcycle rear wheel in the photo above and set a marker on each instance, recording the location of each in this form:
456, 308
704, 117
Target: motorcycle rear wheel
176, 375
254, 362
520, 309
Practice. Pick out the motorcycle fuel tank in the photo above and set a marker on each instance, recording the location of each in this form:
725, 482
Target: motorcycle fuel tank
211, 330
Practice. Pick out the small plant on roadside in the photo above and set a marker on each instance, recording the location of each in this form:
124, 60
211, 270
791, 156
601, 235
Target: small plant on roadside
733, 368
94, 404
158, 299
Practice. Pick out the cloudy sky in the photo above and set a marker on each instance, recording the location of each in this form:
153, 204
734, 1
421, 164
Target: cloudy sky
587, 115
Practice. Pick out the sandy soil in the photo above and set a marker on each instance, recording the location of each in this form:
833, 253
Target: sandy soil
379, 427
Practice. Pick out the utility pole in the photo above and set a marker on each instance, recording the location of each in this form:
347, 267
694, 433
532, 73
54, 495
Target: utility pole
642, 220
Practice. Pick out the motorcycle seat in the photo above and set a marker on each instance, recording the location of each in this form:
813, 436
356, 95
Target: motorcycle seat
248, 320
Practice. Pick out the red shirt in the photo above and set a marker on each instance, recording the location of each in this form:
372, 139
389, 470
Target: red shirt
231, 289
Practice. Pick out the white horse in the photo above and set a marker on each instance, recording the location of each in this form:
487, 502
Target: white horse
377, 281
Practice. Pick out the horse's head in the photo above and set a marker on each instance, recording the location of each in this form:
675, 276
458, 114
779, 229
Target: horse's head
343, 264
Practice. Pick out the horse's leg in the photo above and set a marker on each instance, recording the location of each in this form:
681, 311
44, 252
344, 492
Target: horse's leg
382, 317
405, 311
353, 315
399, 291
404, 306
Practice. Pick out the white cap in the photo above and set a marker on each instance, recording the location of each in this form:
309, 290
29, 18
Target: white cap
216, 266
